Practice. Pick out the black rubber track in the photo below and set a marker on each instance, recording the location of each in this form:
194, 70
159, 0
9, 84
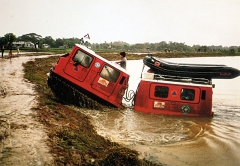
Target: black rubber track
73, 94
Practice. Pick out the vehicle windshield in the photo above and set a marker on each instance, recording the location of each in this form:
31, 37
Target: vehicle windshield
82, 59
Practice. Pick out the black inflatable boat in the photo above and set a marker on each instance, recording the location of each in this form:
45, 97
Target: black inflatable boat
209, 71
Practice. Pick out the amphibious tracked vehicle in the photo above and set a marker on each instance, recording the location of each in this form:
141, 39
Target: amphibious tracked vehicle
82, 73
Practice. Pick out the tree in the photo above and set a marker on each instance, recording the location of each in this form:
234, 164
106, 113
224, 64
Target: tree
31, 37
49, 40
59, 42
10, 38
3, 41
70, 42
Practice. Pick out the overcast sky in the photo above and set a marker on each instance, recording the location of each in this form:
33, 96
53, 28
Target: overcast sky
204, 22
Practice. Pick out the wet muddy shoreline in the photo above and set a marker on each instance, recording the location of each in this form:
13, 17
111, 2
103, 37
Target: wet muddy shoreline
23, 138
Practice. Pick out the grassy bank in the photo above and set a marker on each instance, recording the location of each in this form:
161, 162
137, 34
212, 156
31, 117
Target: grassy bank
72, 138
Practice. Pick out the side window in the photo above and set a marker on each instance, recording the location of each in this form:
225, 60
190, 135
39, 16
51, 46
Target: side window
82, 59
187, 94
109, 73
161, 91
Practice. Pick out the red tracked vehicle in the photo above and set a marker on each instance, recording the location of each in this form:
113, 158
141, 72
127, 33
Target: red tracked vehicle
179, 89
174, 95
83, 72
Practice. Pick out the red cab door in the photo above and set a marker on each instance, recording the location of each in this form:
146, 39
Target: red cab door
79, 65
107, 80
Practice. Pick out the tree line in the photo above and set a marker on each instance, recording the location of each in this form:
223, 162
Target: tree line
8, 39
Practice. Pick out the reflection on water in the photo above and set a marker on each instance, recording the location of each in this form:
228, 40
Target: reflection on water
180, 140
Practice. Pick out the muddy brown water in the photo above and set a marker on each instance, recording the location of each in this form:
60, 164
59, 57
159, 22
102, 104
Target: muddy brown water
23, 139
180, 140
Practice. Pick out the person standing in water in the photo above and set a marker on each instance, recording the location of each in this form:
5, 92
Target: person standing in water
123, 61
18, 49
10, 54
2, 49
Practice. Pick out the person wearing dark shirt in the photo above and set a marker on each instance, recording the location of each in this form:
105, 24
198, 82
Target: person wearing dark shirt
123, 61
